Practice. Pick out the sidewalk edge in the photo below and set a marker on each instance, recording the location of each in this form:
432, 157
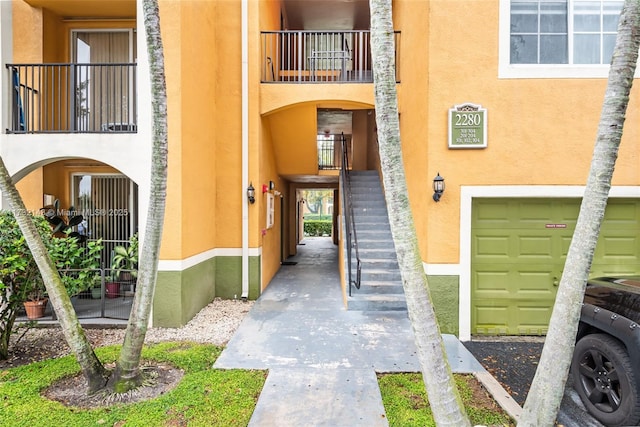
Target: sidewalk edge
500, 395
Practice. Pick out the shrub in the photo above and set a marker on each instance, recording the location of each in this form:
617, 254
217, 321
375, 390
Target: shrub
20, 278
318, 228
317, 217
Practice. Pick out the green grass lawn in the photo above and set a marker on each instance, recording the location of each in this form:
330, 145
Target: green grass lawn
406, 404
205, 396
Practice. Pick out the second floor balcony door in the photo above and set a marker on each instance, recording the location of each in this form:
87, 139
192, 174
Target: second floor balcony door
104, 88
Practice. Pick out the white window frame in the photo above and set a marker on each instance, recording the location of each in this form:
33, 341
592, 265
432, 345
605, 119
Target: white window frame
506, 70
133, 51
132, 39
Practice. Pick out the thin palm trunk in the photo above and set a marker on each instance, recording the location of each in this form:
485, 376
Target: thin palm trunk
127, 375
91, 367
545, 395
444, 399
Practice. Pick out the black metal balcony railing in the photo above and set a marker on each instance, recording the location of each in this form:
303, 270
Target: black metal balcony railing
72, 98
330, 151
318, 57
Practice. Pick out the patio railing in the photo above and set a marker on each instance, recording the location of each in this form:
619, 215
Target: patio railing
107, 298
318, 57
330, 151
72, 98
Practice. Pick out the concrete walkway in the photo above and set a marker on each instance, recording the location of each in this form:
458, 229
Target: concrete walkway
323, 359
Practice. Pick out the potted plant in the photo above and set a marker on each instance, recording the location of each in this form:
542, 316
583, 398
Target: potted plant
96, 290
35, 299
124, 264
112, 289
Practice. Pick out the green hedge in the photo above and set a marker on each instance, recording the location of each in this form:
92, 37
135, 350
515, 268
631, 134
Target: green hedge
317, 228
317, 217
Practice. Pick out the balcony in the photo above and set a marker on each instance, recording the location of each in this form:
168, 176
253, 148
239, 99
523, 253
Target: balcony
318, 57
331, 153
72, 98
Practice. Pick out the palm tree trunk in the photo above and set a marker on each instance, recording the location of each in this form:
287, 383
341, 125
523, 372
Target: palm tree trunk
545, 395
7, 318
92, 369
444, 399
127, 375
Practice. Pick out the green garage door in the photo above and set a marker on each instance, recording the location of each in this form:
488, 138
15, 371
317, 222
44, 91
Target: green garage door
518, 250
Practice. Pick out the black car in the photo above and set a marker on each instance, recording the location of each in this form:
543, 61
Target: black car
606, 361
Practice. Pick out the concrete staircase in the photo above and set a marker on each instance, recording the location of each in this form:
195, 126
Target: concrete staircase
381, 285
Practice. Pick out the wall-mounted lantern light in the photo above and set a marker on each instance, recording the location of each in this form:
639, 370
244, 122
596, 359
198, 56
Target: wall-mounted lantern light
251, 193
438, 187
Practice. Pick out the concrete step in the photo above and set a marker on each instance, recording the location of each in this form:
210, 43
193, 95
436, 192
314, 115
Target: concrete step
375, 264
379, 287
377, 219
366, 182
360, 194
379, 231
368, 203
372, 226
375, 211
373, 234
366, 188
381, 284
388, 252
379, 275
371, 302
365, 178
365, 244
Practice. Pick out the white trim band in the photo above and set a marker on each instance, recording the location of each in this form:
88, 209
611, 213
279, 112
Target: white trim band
183, 264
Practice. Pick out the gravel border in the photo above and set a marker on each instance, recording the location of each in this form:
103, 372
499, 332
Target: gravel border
214, 324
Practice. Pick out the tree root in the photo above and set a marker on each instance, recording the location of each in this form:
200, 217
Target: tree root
149, 379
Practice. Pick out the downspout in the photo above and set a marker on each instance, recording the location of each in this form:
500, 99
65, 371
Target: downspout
245, 148
6, 57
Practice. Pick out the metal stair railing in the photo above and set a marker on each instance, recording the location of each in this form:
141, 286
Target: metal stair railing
349, 221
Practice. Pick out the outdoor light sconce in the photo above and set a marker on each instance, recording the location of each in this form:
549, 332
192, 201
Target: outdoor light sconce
251, 193
438, 187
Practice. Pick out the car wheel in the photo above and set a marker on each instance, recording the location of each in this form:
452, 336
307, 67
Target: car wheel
604, 379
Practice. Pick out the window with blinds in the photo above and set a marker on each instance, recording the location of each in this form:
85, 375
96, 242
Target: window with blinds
108, 203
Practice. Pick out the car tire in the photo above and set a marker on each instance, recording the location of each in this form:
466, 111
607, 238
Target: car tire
604, 379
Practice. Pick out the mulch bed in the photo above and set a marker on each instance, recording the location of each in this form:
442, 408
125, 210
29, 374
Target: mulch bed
512, 363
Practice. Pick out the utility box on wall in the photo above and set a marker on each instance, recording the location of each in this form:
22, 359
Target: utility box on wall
270, 210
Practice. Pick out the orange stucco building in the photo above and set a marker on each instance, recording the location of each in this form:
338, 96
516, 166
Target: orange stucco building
505, 109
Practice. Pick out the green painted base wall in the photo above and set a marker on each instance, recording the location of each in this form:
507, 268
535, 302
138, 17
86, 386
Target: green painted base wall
180, 295
444, 293
229, 277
